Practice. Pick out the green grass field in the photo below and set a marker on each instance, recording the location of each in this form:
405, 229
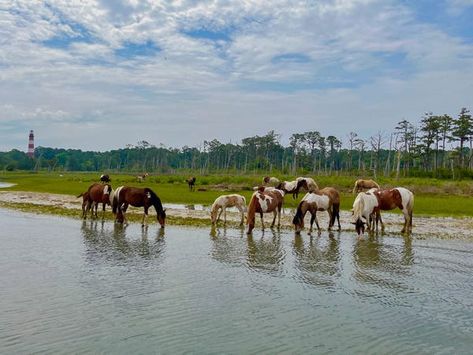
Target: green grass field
432, 197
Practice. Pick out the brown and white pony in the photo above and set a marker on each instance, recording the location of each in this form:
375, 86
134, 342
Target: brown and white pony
137, 197
142, 177
265, 200
309, 184
361, 184
270, 181
327, 199
191, 182
105, 178
96, 193
292, 187
401, 198
224, 201
365, 206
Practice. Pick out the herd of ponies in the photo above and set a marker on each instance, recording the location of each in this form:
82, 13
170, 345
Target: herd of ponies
267, 198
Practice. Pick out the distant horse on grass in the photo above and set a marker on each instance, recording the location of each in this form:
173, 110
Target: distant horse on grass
292, 187
327, 199
105, 178
96, 193
191, 182
142, 177
308, 184
270, 181
265, 200
224, 201
361, 184
137, 197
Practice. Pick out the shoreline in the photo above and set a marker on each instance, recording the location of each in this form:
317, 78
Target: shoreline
66, 205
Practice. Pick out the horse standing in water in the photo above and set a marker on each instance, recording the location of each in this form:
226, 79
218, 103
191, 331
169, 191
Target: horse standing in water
361, 184
191, 182
265, 200
399, 197
327, 199
366, 206
97, 193
224, 201
137, 197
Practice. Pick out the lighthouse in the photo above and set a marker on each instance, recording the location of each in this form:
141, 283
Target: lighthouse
31, 145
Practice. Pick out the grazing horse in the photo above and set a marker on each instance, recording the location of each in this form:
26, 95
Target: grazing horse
270, 181
265, 200
224, 201
327, 199
399, 197
191, 182
292, 187
105, 178
137, 197
97, 193
142, 177
361, 184
366, 206
308, 184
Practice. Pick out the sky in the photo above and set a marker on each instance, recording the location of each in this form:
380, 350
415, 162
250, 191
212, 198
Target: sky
101, 74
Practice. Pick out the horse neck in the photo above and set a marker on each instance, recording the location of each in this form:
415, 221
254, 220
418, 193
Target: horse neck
302, 209
156, 201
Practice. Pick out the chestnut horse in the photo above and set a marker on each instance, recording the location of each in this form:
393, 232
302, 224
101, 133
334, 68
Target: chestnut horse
191, 182
265, 200
224, 201
97, 193
361, 184
137, 197
327, 199
399, 197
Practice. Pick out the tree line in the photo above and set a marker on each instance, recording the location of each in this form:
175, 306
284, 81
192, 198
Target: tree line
437, 146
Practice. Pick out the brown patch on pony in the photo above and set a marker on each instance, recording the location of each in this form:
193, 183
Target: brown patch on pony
273, 203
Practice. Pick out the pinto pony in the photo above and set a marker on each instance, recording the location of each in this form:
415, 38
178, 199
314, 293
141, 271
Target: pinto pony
361, 184
137, 197
105, 178
224, 201
191, 182
270, 181
308, 184
327, 199
265, 200
96, 193
292, 187
401, 198
366, 206
142, 177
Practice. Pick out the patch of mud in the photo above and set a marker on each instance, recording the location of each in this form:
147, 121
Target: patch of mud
423, 227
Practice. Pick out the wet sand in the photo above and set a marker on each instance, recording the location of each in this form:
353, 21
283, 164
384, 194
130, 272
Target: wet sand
423, 227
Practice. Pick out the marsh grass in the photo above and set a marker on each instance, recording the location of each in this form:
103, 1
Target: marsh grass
433, 197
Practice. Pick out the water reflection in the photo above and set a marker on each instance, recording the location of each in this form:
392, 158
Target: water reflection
318, 259
259, 254
116, 242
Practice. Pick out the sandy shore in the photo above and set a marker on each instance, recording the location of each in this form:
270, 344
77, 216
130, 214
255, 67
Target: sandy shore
438, 227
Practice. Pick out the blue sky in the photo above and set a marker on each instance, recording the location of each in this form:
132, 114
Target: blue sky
100, 74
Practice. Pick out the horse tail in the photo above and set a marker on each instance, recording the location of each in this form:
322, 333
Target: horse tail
244, 203
115, 199
82, 194
155, 200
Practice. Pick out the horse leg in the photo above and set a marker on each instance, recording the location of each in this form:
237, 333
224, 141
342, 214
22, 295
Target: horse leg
224, 215
96, 207
275, 213
144, 221
279, 215
316, 220
242, 215
406, 221
262, 220
220, 214
312, 219
330, 215
124, 208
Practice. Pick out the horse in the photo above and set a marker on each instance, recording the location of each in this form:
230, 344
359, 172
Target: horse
191, 182
366, 205
398, 197
292, 187
105, 178
270, 181
221, 203
308, 184
137, 197
327, 199
96, 193
142, 177
265, 200
361, 184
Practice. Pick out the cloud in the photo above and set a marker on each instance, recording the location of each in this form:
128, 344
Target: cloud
184, 71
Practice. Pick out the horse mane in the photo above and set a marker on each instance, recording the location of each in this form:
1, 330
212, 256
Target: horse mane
114, 198
156, 201
299, 215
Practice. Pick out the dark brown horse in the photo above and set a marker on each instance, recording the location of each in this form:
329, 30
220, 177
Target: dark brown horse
265, 200
191, 182
137, 197
105, 178
97, 193
292, 187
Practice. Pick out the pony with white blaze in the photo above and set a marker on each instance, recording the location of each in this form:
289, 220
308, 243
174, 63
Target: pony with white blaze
327, 199
365, 207
265, 200
224, 201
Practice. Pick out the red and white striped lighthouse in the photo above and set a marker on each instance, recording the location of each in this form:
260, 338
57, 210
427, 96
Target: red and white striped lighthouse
31, 145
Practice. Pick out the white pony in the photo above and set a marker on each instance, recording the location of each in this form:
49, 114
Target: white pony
224, 201
365, 206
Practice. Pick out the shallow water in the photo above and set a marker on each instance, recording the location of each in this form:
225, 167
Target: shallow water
73, 286
5, 185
